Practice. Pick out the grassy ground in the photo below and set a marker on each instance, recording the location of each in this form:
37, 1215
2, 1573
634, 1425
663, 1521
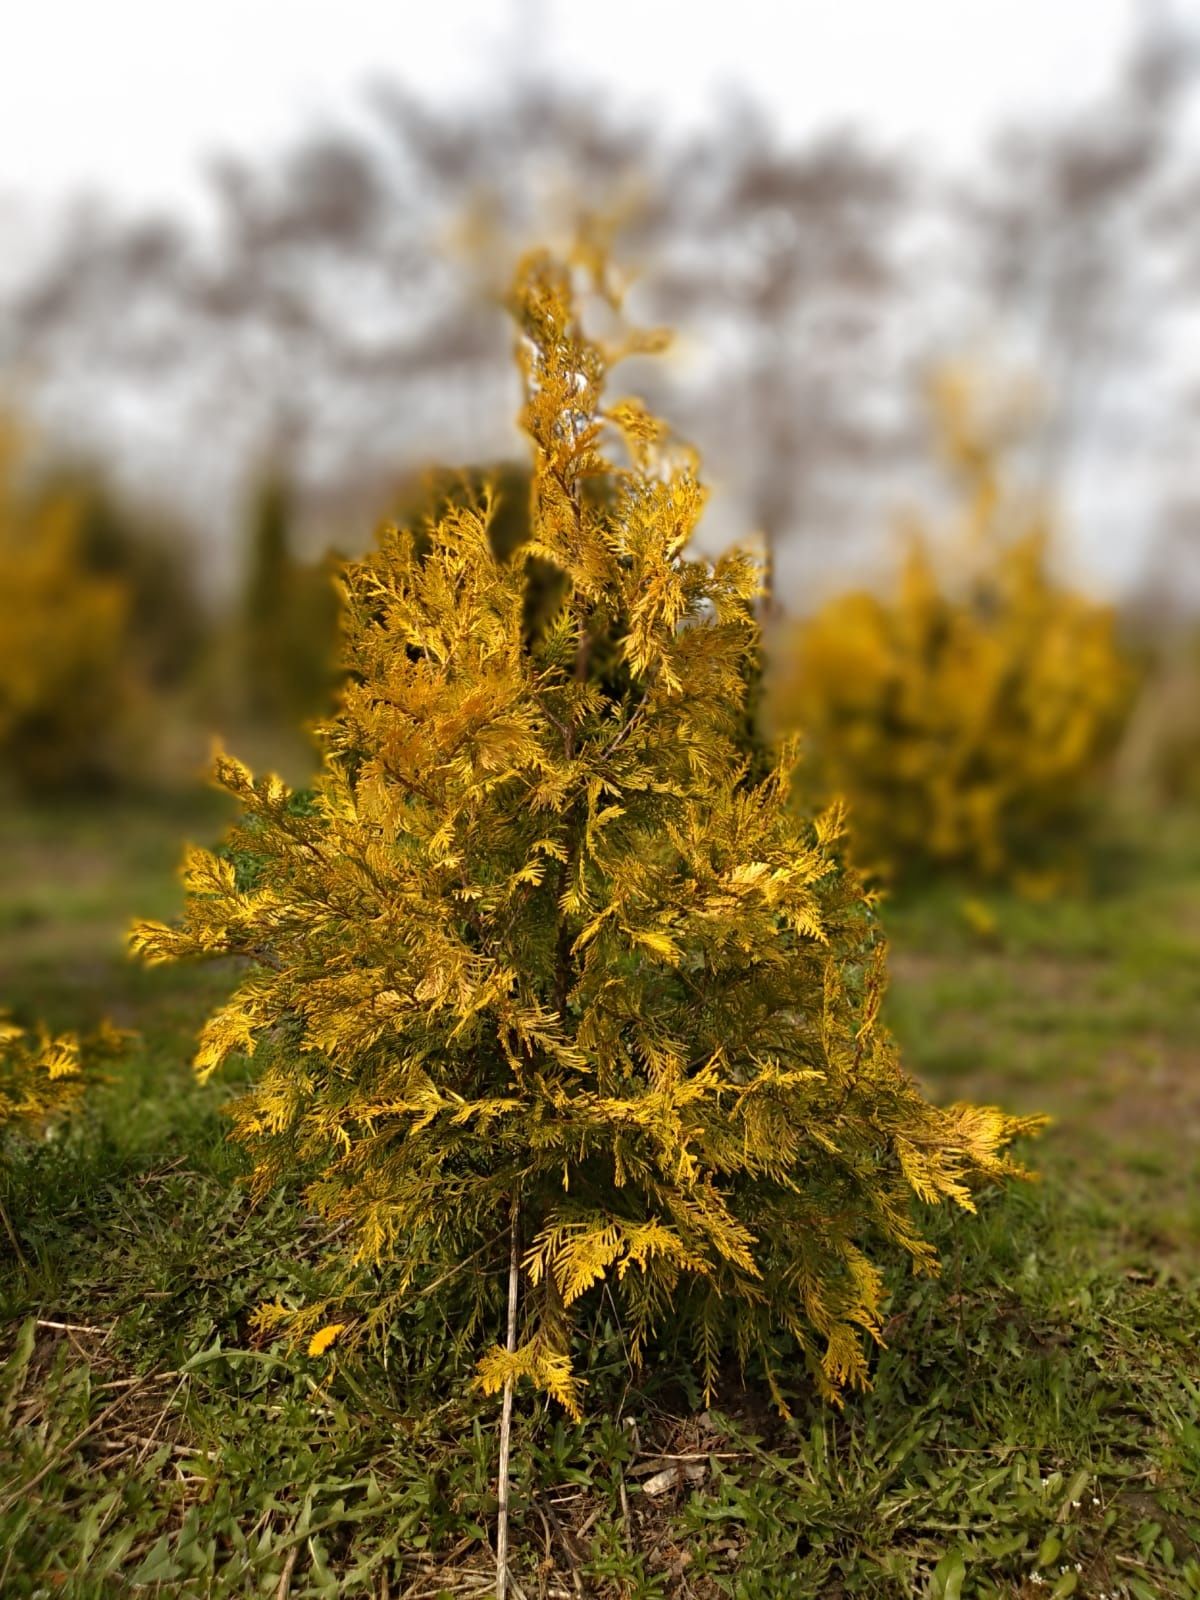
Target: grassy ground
1033, 1427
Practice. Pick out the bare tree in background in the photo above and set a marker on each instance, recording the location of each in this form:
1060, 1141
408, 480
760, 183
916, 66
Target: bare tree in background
787, 259
1074, 249
339, 314
332, 315
336, 317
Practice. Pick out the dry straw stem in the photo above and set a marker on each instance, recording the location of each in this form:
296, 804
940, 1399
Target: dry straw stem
510, 1345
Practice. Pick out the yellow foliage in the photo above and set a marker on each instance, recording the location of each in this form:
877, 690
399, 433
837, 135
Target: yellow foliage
541, 934
43, 1075
540, 1363
966, 715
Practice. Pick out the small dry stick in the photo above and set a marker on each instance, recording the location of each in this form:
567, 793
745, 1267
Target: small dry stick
510, 1344
11, 1232
285, 1577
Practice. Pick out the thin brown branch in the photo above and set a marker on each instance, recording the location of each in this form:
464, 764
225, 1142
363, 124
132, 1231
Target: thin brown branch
9, 1230
510, 1344
285, 1577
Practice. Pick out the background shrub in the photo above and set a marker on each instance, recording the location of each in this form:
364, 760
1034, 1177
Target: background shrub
966, 715
65, 687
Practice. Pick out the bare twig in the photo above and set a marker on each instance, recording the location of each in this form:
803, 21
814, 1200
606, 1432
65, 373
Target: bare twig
570, 1546
285, 1577
148, 1444
510, 1344
187, 1451
8, 1228
632, 723
654, 1463
626, 1528
130, 1383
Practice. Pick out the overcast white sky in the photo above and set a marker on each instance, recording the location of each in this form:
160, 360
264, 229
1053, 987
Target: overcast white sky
127, 96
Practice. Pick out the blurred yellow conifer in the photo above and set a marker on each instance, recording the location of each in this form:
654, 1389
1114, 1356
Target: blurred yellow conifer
966, 715
64, 682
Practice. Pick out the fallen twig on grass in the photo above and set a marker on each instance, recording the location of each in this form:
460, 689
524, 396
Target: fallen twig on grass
285, 1577
161, 1418
72, 1327
566, 1539
129, 1383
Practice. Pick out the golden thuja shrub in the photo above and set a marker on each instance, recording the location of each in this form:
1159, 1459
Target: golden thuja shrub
540, 963
966, 715
64, 681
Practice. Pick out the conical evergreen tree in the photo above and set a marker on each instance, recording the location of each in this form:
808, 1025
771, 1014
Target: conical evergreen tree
541, 947
290, 615
968, 715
